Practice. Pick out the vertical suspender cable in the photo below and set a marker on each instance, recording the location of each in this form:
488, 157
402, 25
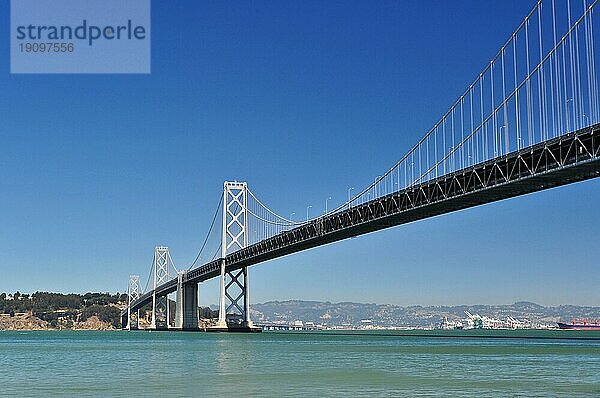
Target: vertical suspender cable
530, 126
517, 115
462, 136
573, 98
483, 124
556, 105
578, 81
506, 144
541, 93
472, 127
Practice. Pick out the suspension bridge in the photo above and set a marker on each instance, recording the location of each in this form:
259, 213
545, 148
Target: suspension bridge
529, 121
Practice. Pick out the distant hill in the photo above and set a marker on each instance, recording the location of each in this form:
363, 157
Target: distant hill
102, 310
351, 314
42, 310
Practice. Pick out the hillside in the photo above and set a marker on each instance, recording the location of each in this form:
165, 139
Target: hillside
351, 314
101, 311
43, 310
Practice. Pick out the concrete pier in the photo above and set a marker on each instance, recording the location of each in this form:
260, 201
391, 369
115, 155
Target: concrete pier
186, 310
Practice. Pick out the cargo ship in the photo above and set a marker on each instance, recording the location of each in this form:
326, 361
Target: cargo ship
579, 326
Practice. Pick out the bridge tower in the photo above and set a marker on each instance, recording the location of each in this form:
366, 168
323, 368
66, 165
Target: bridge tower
234, 285
160, 304
133, 293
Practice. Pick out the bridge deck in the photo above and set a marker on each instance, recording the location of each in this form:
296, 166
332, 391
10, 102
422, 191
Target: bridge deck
560, 161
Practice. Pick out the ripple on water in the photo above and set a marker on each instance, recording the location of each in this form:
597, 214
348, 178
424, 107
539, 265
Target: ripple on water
50, 363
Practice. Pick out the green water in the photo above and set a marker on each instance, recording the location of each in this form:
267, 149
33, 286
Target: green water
128, 364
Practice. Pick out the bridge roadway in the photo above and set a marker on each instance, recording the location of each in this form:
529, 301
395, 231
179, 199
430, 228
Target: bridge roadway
567, 159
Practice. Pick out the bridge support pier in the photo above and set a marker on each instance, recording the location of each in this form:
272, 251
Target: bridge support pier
186, 310
125, 320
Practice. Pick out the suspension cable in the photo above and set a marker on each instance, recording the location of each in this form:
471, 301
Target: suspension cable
288, 224
173, 264
208, 234
523, 25
271, 211
149, 274
217, 252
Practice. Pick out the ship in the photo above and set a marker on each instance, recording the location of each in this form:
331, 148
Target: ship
574, 325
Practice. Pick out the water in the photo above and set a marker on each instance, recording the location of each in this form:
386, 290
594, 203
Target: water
323, 364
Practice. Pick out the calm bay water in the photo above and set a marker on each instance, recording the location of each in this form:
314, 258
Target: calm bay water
528, 364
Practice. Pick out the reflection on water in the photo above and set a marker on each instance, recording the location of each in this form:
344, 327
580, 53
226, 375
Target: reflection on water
233, 356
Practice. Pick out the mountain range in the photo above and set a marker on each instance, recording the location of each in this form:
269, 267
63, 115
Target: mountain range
387, 315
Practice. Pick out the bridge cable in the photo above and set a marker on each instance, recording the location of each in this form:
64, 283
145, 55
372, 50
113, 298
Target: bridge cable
289, 222
537, 69
172, 263
277, 223
217, 252
149, 274
208, 234
527, 78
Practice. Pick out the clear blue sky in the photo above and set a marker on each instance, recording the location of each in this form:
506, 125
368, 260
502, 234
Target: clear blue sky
302, 100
